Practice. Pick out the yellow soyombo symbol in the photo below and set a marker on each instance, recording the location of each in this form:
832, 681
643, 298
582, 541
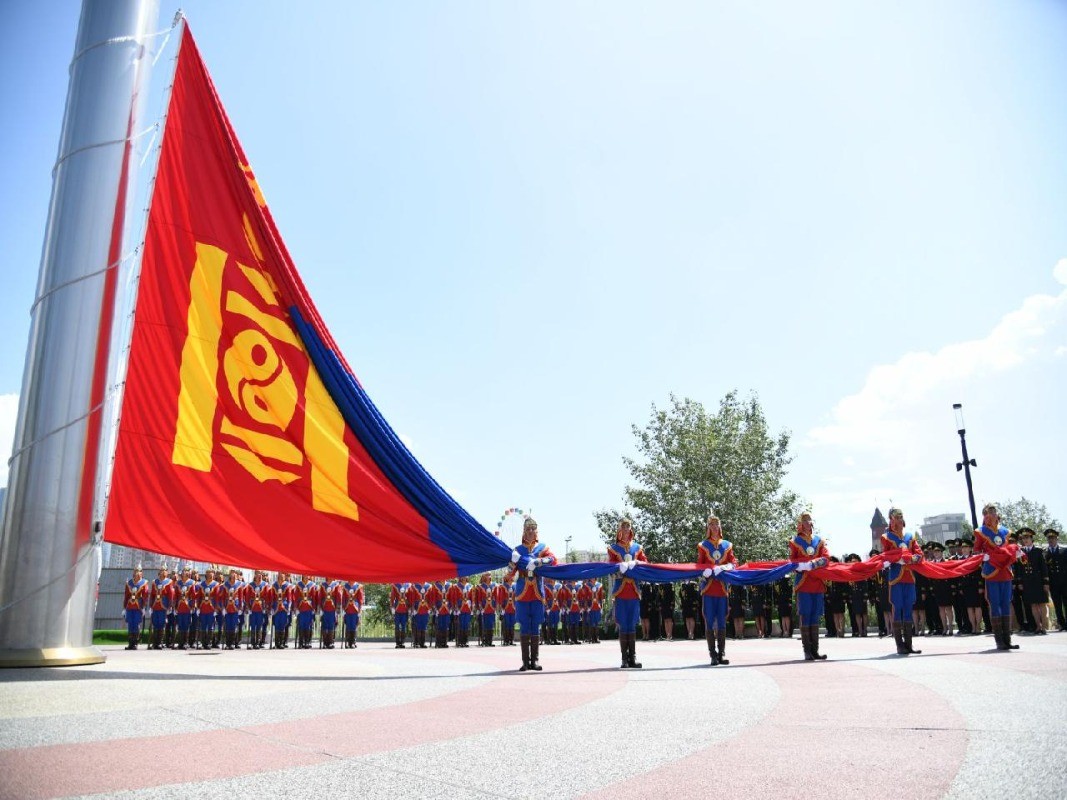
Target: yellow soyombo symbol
261, 388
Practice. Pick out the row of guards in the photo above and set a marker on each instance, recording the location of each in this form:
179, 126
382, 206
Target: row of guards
186, 611
450, 607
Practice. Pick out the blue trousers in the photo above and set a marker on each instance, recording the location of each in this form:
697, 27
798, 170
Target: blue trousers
304, 620
902, 598
810, 607
627, 614
281, 620
184, 621
464, 622
231, 620
998, 593
329, 620
352, 621
595, 616
133, 620
422, 621
715, 612
159, 620
400, 620
531, 614
256, 620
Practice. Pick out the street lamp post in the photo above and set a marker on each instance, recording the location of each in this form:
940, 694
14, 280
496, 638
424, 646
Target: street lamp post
967, 462
567, 549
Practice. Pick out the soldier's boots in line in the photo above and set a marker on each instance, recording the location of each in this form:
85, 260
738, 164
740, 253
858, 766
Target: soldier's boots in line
530, 649
442, 638
628, 647
134, 639
157, 639
717, 647
809, 638
461, 639
1002, 633
350, 638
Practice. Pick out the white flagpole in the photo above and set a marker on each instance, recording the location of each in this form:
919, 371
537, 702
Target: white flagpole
49, 537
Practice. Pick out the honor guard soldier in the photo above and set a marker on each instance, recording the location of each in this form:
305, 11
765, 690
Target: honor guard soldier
281, 610
184, 597
306, 602
563, 600
901, 580
626, 593
1056, 562
483, 604
454, 596
398, 604
232, 601
808, 551
352, 599
329, 600
466, 609
550, 599
160, 600
444, 616
256, 602
989, 539
574, 613
134, 602
435, 594
553, 610
585, 603
503, 600
959, 605
529, 593
1034, 578
421, 608
716, 555
596, 608
205, 601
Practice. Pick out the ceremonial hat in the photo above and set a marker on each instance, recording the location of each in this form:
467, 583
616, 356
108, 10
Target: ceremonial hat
937, 546
874, 551
952, 543
1050, 532
1025, 531
966, 541
1013, 538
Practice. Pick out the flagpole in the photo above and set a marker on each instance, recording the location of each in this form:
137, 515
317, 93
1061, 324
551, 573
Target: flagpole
50, 531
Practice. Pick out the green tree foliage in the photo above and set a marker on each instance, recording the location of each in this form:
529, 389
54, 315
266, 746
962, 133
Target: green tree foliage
1024, 513
377, 595
692, 462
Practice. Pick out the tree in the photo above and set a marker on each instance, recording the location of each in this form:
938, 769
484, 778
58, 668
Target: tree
692, 462
1023, 513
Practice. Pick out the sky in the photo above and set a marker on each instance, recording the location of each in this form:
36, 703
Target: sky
527, 225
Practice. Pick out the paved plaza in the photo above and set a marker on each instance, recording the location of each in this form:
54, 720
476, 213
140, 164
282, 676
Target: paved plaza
958, 721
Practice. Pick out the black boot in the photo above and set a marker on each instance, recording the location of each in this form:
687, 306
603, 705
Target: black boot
709, 634
631, 639
909, 628
535, 653
524, 646
624, 649
132, 638
805, 641
898, 637
722, 648
813, 634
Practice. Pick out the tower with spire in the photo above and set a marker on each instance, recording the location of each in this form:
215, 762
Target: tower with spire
878, 527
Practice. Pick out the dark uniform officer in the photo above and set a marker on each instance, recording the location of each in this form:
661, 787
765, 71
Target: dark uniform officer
666, 609
690, 607
1033, 576
1056, 563
783, 600
878, 596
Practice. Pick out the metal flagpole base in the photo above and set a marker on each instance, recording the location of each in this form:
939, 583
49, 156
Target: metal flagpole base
51, 657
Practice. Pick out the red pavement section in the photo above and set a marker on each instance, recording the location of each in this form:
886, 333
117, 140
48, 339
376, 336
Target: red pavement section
1036, 664
768, 759
118, 764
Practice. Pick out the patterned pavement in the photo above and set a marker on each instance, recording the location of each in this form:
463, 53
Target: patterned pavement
959, 721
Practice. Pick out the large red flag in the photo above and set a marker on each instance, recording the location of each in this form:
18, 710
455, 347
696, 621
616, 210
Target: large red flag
244, 438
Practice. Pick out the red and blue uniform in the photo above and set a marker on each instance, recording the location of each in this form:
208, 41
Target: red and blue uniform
530, 590
232, 594
625, 591
714, 593
352, 598
810, 591
307, 595
161, 601
465, 610
256, 602
998, 579
596, 602
900, 576
484, 606
134, 602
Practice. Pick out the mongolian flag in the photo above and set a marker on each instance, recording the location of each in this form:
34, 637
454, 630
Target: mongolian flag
244, 437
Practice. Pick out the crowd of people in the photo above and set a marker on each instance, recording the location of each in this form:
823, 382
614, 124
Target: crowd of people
1010, 592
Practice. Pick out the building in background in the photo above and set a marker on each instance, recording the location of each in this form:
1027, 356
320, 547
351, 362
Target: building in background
943, 527
878, 527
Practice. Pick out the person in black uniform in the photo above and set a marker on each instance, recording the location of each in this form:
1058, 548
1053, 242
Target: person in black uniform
878, 596
666, 609
757, 600
1056, 564
924, 588
942, 592
649, 612
972, 593
783, 599
690, 607
737, 610
857, 599
1019, 609
1033, 575
836, 592
959, 605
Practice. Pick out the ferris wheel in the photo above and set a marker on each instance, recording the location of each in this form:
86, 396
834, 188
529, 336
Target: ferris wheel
509, 526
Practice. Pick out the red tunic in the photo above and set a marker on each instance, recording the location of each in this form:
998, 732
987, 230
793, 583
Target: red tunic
889, 542
985, 542
797, 554
706, 558
625, 586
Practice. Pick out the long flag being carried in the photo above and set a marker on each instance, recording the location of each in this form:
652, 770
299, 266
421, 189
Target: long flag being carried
244, 437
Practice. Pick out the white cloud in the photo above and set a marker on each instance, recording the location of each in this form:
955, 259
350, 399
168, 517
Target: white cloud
895, 439
9, 409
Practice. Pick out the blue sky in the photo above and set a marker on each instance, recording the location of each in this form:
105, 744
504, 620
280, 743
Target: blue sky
525, 225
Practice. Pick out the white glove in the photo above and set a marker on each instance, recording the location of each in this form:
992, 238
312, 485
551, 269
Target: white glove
515, 556
716, 570
727, 567
622, 565
985, 557
534, 562
804, 566
1019, 555
707, 573
887, 564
